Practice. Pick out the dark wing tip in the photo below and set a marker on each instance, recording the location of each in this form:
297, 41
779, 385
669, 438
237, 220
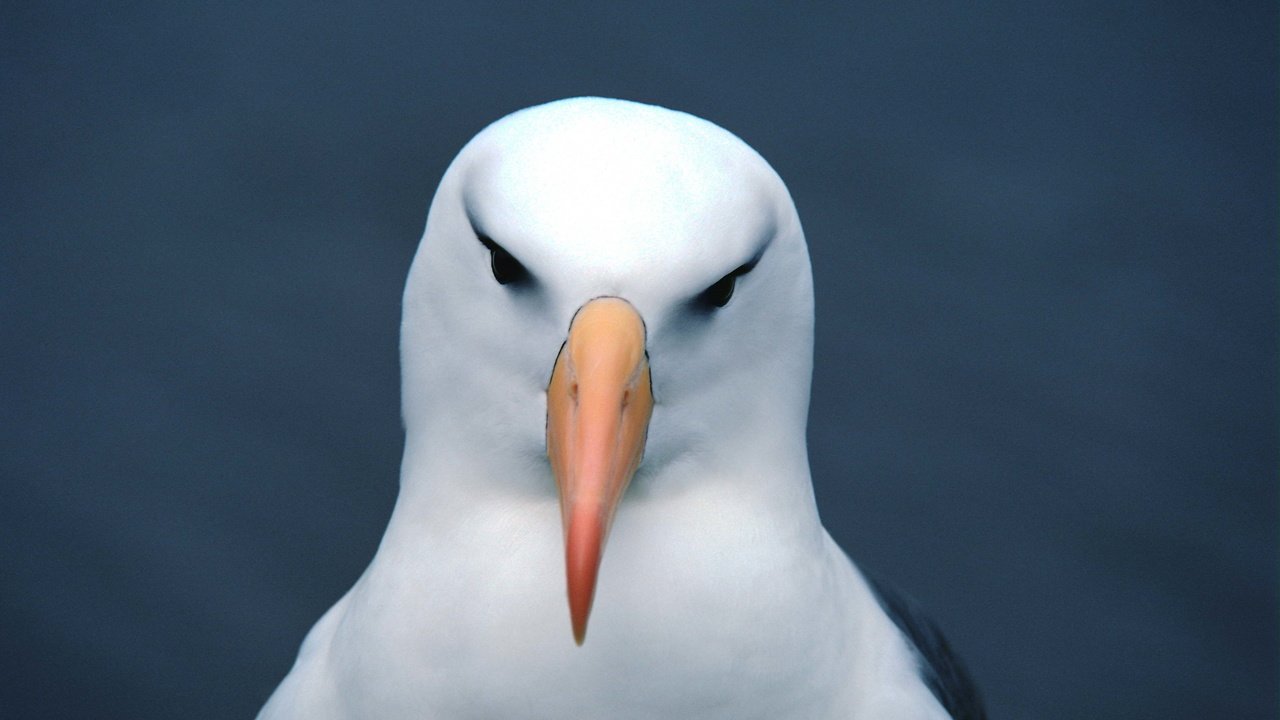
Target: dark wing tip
940, 668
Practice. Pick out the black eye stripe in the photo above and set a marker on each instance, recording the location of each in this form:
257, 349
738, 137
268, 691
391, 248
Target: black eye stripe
721, 291
506, 269
719, 294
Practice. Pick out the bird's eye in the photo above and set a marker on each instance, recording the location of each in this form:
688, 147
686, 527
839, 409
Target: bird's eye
720, 292
506, 269
718, 295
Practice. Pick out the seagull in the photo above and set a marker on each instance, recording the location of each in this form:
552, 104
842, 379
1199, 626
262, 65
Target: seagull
605, 506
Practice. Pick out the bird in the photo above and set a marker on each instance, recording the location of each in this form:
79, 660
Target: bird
605, 506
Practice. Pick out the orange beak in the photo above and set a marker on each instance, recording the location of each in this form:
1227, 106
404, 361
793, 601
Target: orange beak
598, 407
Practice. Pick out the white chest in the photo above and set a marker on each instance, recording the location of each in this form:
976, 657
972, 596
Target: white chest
692, 619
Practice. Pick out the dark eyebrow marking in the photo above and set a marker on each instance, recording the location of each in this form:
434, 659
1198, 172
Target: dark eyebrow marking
721, 291
507, 270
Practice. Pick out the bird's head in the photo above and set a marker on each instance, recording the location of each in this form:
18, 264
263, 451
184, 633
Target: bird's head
608, 291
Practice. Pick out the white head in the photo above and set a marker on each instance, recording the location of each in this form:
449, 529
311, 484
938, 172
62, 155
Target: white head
553, 207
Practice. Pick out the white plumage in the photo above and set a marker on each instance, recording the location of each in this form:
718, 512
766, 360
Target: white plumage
719, 595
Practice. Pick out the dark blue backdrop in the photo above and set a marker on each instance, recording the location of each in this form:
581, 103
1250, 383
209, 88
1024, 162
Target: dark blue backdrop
1044, 238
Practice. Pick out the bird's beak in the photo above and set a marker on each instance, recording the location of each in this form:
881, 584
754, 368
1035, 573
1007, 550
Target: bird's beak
598, 407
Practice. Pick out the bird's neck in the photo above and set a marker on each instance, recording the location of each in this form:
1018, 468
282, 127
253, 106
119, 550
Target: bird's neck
694, 557
448, 468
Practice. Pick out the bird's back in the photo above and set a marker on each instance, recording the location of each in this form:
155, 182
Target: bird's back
940, 667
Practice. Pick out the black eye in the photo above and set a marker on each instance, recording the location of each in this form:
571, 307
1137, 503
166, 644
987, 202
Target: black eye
719, 294
506, 269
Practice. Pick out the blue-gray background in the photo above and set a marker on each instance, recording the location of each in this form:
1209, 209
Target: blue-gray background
1044, 239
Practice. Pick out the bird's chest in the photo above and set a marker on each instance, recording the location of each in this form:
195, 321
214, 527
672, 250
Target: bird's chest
685, 624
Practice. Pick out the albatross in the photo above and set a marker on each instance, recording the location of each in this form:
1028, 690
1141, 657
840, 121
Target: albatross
605, 506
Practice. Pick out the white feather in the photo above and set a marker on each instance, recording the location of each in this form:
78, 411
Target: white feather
720, 594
